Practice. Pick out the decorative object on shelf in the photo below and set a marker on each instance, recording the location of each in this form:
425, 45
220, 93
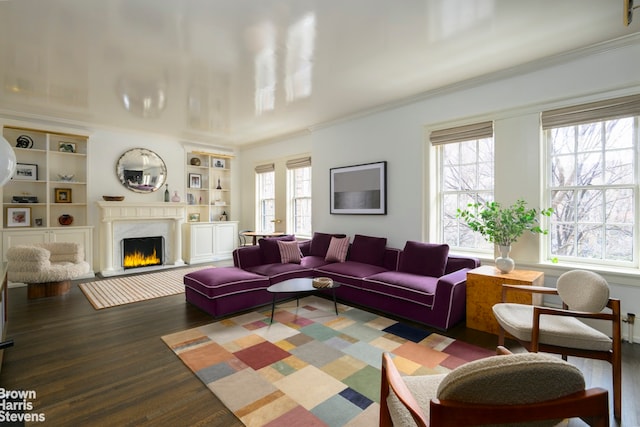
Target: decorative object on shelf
195, 180
219, 203
24, 141
191, 199
195, 161
141, 170
175, 198
219, 163
67, 147
223, 217
166, 192
63, 195
194, 217
38, 222
65, 219
66, 177
359, 189
26, 172
24, 199
219, 187
503, 225
7, 161
18, 217
113, 198
322, 282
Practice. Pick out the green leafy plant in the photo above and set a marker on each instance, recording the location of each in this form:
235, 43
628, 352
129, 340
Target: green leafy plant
503, 225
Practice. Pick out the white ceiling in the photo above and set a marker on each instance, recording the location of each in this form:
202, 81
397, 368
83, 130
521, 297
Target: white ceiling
241, 71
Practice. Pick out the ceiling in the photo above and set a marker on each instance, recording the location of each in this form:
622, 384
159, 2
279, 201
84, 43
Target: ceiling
234, 72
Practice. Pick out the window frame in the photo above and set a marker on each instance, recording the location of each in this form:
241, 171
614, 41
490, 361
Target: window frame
262, 221
292, 201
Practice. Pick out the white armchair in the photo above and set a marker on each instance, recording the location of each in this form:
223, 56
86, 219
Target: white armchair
47, 268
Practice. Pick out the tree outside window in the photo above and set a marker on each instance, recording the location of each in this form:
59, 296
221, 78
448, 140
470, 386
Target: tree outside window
593, 191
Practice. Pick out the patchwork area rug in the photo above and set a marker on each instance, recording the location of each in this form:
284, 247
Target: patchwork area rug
140, 287
310, 367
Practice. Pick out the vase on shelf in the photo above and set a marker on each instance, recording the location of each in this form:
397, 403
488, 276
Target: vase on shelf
176, 197
504, 263
166, 193
219, 187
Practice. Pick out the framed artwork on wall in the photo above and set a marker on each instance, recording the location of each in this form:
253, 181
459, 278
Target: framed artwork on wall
359, 189
19, 217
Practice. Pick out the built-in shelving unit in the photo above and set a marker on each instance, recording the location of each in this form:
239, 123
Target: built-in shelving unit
46, 200
210, 233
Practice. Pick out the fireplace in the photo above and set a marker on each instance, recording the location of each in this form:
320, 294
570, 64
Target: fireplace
142, 252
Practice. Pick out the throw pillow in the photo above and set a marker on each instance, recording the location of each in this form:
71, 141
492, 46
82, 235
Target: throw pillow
269, 251
425, 259
337, 251
320, 243
289, 252
369, 250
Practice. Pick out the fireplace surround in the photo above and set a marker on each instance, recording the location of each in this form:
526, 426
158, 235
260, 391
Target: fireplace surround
119, 220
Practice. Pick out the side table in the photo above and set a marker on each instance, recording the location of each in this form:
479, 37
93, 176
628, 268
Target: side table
484, 289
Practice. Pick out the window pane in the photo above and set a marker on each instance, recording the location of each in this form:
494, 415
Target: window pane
593, 190
300, 200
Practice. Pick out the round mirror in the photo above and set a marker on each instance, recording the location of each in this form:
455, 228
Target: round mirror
141, 170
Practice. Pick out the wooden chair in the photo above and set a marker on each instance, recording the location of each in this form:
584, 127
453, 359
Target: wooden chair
512, 388
584, 295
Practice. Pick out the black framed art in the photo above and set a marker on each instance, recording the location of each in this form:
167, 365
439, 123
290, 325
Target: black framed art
359, 189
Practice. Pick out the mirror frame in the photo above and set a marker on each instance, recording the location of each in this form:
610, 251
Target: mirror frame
147, 183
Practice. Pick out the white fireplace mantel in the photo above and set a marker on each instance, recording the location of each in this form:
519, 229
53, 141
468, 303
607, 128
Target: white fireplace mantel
131, 212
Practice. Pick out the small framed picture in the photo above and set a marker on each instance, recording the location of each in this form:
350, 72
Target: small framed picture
63, 195
195, 180
67, 147
18, 217
26, 172
194, 217
219, 163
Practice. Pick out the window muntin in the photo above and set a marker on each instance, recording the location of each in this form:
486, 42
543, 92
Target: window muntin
266, 201
467, 176
300, 201
593, 191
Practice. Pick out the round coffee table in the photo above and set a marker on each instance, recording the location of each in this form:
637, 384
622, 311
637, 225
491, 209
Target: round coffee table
298, 286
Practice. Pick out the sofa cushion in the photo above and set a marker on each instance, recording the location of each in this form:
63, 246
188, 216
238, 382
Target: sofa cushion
351, 269
269, 251
338, 248
320, 243
368, 250
289, 252
425, 259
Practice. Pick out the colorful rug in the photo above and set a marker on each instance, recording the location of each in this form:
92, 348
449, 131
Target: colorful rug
310, 367
140, 287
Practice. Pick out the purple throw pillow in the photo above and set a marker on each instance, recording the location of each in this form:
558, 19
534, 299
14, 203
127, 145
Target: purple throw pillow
425, 259
369, 250
320, 243
269, 250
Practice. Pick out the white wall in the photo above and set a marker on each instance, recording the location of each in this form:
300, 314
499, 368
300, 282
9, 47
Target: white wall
398, 136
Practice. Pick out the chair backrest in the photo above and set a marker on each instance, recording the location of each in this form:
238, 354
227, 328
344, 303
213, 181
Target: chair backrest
583, 290
522, 378
242, 239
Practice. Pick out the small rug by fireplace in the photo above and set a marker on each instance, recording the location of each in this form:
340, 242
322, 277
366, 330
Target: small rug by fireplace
140, 287
310, 367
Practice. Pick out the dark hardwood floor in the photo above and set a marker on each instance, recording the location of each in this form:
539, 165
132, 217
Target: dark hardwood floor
110, 367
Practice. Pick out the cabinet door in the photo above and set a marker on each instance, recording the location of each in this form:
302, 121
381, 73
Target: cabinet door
202, 241
81, 236
226, 236
15, 238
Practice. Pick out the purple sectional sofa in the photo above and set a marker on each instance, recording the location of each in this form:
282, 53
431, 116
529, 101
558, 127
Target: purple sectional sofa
421, 282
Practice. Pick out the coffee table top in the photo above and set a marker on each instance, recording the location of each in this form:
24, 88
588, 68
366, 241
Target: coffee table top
304, 284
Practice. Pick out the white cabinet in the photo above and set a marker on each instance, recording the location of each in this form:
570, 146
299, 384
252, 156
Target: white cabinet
81, 235
209, 241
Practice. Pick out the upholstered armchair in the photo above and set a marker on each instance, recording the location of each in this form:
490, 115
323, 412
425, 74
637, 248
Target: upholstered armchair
584, 295
511, 388
47, 268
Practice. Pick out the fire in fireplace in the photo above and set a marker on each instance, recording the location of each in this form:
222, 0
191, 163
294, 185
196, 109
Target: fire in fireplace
142, 252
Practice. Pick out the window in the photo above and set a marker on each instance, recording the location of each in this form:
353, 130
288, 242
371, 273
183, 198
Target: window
466, 159
592, 183
265, 184
299, 196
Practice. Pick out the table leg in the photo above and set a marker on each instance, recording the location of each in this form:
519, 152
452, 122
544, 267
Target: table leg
273, 306
335, 304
